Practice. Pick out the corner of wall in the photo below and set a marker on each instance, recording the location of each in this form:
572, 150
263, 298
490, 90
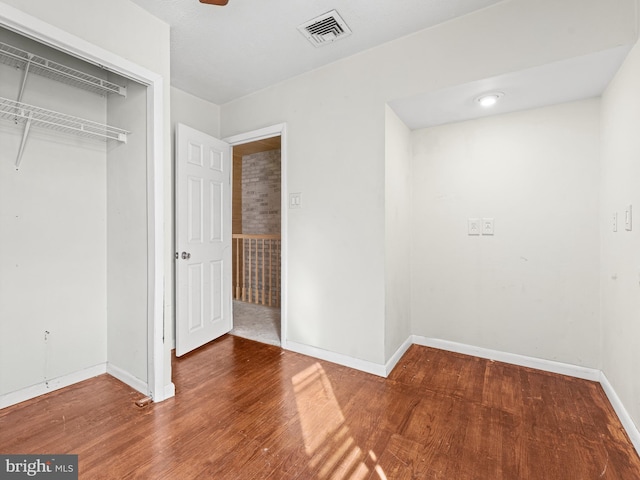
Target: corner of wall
620, 120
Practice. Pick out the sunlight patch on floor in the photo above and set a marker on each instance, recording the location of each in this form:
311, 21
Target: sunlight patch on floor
327, 439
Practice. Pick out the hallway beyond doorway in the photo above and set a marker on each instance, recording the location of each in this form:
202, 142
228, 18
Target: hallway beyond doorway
256, 322
257, 240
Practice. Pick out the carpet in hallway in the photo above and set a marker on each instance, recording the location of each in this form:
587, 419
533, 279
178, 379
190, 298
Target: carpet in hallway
256, 322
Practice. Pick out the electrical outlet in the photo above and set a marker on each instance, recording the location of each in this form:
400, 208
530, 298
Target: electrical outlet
473, 226
487, 226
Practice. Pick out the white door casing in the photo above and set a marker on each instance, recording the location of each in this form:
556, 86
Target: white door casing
203, 238
260, 134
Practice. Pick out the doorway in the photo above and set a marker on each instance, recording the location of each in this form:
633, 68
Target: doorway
257, 242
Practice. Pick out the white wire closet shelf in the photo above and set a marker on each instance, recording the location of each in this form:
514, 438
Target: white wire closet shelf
30, 116
16, 57
41, 117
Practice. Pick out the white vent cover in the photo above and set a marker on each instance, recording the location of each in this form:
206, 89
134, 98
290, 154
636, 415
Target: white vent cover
325, 29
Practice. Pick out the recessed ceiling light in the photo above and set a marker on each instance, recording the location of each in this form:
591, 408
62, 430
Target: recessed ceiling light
489, 99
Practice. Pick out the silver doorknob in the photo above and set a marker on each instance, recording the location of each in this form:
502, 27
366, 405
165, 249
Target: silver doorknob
186, 256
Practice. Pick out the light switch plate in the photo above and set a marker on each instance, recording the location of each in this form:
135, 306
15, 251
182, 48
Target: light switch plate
487, 226
614, 222
627, 218
473, 226
295, 200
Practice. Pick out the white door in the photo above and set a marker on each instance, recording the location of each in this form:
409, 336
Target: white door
203, 239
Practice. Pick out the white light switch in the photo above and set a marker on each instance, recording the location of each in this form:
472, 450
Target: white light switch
295, 200
627, 218
487, 226
473, 226
614, 222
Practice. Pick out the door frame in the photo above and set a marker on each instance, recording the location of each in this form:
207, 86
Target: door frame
32, 27
279, 129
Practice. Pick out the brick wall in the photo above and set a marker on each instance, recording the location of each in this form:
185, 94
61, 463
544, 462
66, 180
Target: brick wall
236, 209
261, 193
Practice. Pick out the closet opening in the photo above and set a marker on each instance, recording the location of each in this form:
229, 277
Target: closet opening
80, 204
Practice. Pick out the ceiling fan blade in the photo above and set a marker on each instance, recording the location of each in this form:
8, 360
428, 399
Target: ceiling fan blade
215, 2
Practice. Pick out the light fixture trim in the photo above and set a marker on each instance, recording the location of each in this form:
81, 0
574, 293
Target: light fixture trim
489, 99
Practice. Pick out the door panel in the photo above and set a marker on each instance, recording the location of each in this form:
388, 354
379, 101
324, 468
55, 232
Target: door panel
194, 210
203, 239
217, 290
216, 194
195, 294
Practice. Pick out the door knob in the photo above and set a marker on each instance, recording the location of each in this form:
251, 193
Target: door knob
186, 255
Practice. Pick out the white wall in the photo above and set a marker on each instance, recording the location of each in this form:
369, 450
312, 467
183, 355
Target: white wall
398, 208
336, 127
52, 236
620, 269
532, 288
194, 112
126, 30
335, 143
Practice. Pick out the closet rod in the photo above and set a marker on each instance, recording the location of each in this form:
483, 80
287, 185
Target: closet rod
34, 63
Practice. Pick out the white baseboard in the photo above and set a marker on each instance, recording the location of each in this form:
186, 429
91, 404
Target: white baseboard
126, 377
169, 391
585, 373
340, 359
623, 415
347, 361
33, 391
395, 358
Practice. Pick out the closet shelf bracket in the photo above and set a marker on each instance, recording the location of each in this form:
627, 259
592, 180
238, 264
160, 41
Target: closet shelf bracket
24, 78
30, 116
25, 134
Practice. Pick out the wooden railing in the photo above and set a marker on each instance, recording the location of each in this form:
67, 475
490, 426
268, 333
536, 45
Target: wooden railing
256, 269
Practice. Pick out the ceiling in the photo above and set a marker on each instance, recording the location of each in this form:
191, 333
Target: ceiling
223, 53
576, 78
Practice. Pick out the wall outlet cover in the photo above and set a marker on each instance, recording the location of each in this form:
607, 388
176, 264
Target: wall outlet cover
487, 226
473, 226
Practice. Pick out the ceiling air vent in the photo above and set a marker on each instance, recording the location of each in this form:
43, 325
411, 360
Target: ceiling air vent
325, 29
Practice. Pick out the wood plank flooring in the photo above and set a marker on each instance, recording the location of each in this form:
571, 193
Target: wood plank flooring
246, 410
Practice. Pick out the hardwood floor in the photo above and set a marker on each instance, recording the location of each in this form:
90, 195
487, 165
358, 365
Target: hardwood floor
246, 410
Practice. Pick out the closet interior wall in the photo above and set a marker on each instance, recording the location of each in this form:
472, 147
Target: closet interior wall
127, 236
73, 235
